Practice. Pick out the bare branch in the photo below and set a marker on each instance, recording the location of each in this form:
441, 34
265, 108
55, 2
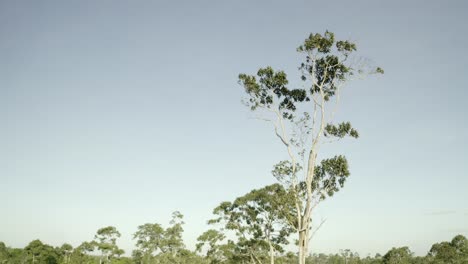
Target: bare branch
316, 229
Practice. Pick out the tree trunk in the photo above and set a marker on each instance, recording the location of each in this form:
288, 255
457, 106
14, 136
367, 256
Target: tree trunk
302, 246
272, 254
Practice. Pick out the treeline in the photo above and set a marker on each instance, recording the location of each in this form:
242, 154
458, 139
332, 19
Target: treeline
94, 252
156, 244
253, 229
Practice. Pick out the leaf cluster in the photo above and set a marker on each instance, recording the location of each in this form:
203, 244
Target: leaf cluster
330, 175
341, 130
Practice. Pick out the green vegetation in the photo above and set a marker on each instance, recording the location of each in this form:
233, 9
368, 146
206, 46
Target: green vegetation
156, 245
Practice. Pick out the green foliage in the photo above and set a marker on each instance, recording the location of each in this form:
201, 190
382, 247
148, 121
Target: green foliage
401, 255
318, 42
105, 241
122, 260
183, 257
211, 240
149, 239
37, 252
4, 254
66, 250
16, 256
158, 245
454, 252
283, 171
330, 176
81, 254
271, 85
261, 221
173, 242
379, 70
340, 131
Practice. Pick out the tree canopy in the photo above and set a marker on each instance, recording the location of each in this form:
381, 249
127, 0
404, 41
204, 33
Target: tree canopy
303, 119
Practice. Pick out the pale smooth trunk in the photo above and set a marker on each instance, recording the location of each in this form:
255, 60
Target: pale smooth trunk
302, 247
272, 254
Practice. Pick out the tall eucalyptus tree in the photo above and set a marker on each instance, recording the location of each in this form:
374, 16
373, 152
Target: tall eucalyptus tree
303, 119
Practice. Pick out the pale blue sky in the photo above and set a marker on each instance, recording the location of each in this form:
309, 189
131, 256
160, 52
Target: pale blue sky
120, 112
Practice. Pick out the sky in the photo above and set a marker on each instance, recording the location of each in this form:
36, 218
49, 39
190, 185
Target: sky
121, 112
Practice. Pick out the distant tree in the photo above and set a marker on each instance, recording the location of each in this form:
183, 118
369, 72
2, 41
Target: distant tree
34, 250
149, 238
372, 260
105, 241
80, 254
16, 256
349, 257
154, 243
336, 259
123, 260
183, 256
4, 254
401, 255
454, 252
173, 242
289, 258
443, 252
460, 243
138, 256
303, 121
190, 257
66, 251
40, 253
420, 260
211, 241
317, 258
